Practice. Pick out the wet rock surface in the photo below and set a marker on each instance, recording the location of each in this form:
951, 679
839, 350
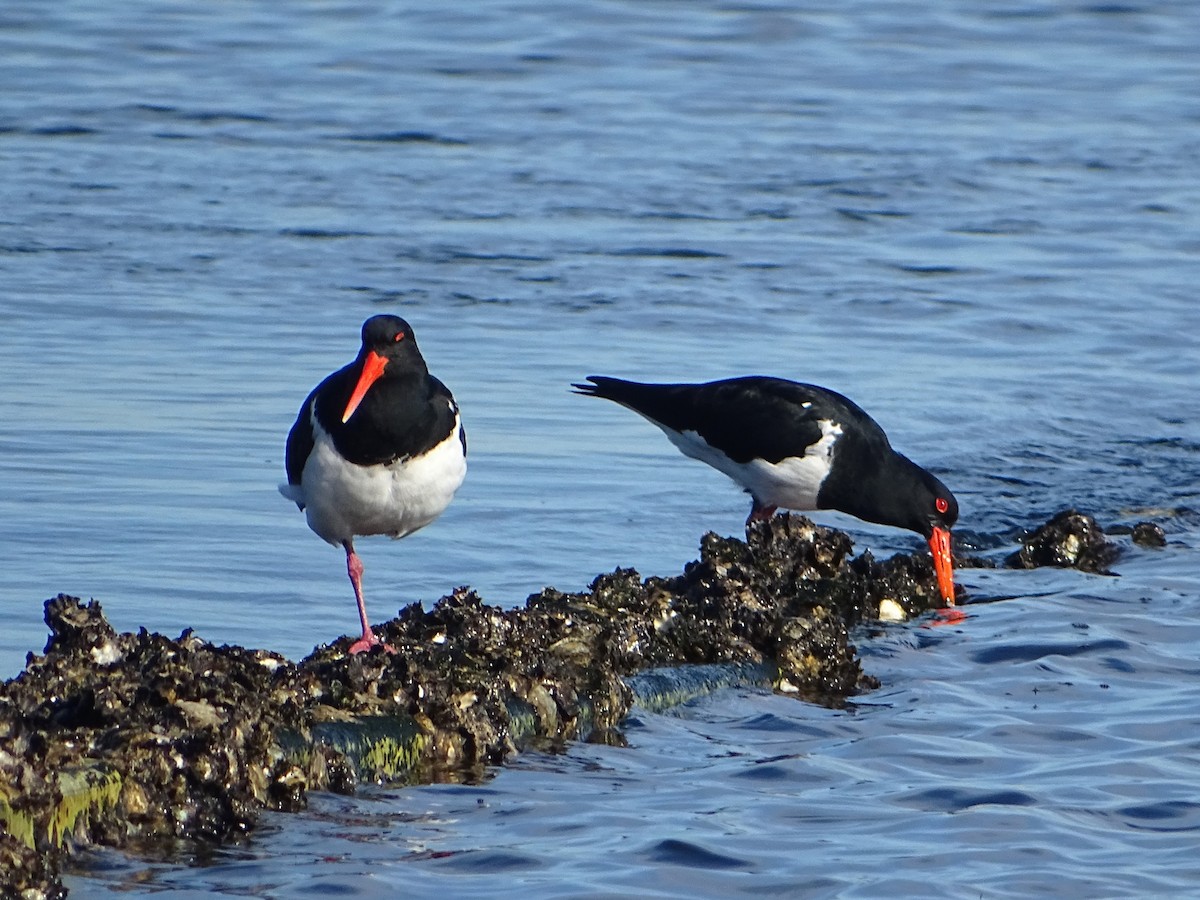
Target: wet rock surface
1070, 540
1149, 534
27, 874
183, 740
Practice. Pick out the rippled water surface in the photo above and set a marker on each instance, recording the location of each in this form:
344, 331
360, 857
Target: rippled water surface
979, 220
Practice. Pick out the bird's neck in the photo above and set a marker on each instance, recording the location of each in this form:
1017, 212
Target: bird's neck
878, 488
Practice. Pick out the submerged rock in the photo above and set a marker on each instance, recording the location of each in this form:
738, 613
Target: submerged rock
1071, 540
1148, 534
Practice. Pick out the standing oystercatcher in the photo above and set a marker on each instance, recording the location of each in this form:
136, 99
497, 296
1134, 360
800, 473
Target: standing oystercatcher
797, 446
378, 448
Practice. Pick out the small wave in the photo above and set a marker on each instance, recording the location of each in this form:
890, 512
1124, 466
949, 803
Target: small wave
685, 853
322, 233
958, 799
867, 215
670, 252
62, 131
931, 270
203, 115
1032, 652
467, 256
488, 861
1170, 815
403, 137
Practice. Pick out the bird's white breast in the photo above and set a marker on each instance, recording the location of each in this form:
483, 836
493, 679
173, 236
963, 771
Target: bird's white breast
342, 499
791, 483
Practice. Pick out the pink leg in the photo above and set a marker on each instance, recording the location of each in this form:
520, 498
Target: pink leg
759, 513
354, 568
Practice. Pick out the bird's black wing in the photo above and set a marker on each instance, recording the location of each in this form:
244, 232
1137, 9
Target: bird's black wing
300, 442
746, 418
440, 390
758, 418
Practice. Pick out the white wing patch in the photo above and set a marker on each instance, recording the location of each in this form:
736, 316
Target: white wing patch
792, 483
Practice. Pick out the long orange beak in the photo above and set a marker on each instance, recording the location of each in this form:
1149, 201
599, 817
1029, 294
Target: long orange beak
939, 546
372, 369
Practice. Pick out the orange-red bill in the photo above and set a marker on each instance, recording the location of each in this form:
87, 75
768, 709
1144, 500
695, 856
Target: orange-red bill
372, 369
939, 546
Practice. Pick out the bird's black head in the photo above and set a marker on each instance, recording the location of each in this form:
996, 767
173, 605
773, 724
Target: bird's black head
389, 336
898, 492
388, 350
939, 513
934, 507
890, 489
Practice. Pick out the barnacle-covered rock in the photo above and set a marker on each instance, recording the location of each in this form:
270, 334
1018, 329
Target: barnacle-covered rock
168, 740
1149, 534
1071, 540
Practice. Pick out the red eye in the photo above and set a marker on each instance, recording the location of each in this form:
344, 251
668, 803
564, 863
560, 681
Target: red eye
398, 338
941, 504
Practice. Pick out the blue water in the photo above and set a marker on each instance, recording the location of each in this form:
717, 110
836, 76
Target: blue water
978, 220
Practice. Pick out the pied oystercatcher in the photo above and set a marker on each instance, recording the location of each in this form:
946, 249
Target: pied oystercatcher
796, 446
378, 448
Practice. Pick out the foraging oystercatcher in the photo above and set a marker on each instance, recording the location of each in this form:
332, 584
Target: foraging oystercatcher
378, 448
797, 446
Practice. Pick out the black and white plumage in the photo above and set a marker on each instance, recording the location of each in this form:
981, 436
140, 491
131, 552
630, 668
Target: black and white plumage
796, 446
377, 448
